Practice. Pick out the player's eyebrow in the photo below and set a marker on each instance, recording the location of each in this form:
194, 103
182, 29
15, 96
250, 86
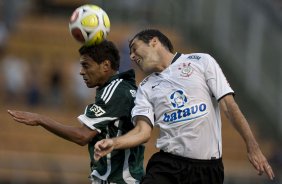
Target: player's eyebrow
83, 59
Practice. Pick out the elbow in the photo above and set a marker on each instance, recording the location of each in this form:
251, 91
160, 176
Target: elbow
83, 137
146, 138
81, 143
82, 140
144, 131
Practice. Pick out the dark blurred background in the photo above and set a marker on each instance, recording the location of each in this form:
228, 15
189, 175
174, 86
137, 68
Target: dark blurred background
40, 73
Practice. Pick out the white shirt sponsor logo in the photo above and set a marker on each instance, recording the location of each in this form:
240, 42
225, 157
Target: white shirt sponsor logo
183, 112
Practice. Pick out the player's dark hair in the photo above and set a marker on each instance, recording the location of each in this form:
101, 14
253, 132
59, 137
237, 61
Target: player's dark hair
148, 34
106, 50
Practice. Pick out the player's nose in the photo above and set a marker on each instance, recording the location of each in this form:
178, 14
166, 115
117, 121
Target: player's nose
81, 72
132, 56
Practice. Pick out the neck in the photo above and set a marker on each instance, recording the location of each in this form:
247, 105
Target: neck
166, 60
108, 76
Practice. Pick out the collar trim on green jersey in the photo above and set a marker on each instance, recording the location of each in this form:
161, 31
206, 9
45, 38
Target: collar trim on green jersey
128, 75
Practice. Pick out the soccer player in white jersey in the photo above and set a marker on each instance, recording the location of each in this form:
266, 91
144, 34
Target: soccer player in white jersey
183, 95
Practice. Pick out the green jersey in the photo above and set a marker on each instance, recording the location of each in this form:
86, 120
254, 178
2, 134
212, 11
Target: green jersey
110, 115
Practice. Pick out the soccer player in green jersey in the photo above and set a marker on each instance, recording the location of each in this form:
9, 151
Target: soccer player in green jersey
108, 117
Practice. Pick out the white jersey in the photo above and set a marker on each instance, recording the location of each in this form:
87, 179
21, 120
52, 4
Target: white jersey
183, 101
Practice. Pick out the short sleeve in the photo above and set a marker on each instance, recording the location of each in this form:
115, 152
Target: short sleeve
216, 79
116, 106
142, 106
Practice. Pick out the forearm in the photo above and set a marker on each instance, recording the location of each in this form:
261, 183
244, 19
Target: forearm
135, 137
256, 157
239, 122
70, 133
241, 125
79, 135
138, 135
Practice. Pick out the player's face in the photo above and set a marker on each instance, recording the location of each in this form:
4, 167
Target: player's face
144, 55
91, 72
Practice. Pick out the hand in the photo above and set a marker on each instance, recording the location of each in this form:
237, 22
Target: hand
27, 118
260, 163
102, 148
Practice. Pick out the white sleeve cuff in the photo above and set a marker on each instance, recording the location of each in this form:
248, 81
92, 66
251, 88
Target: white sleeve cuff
90, 122
87, 121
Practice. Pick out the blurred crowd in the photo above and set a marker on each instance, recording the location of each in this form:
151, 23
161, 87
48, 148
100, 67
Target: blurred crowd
36, 81
33, 83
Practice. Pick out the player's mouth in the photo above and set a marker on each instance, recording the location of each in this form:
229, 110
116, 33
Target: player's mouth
138, 61
85, 80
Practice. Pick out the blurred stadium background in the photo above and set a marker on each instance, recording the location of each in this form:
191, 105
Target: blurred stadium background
40, 72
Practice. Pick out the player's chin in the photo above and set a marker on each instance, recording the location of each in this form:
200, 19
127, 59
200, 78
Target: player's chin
148, 70
89, 85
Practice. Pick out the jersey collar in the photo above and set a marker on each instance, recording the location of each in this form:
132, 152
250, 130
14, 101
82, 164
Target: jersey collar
127, 75
177, 55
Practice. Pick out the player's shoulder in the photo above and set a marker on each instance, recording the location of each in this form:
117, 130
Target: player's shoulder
197, 56
147, 81
128, 77
200, 59
124, 88
113, 91
121, 81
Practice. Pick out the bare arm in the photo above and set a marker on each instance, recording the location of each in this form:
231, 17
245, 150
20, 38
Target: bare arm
139, 135
80, 135
239, 122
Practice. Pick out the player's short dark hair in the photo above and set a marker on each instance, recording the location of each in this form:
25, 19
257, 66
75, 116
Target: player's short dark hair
148, 34
106, 50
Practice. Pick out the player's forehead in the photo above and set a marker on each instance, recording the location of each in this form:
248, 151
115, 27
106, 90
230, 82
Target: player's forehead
134, 43
85, 58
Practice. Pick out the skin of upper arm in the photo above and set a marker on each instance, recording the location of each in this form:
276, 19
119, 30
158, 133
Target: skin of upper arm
86, 134
237, 119
140, 134
144, 126
228, 106
232, 112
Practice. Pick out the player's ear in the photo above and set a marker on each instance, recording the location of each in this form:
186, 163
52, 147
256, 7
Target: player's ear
106, 65
154, 41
